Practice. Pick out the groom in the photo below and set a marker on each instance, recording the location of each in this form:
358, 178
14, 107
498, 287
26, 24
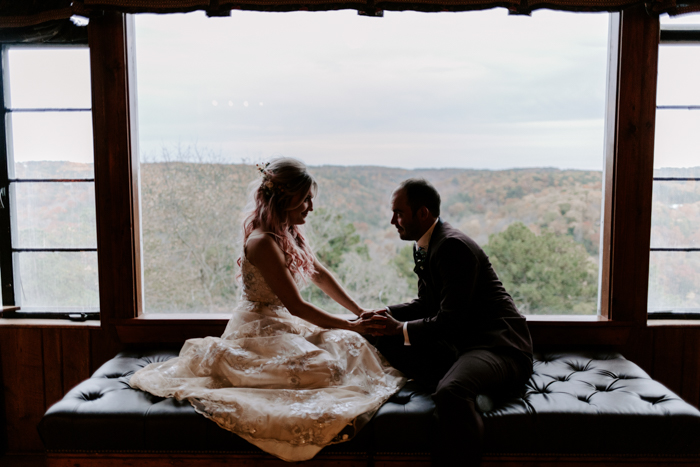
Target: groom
463, 335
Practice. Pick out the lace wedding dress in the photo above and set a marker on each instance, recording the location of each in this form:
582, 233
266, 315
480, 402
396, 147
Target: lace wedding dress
281, 383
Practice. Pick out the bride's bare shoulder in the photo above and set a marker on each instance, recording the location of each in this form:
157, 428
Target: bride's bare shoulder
260, 245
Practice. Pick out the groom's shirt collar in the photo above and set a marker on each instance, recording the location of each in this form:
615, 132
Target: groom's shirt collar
424, 241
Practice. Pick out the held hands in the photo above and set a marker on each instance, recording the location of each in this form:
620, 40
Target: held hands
378, 323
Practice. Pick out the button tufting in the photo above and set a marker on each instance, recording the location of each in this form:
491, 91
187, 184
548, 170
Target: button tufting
91, 396
401, 399
622, 376
653, 400
576, 366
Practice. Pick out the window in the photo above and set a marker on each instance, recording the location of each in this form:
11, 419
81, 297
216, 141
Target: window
674, 262
48, 253
511, 132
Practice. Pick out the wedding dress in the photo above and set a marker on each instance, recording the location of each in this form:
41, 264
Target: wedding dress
283, 384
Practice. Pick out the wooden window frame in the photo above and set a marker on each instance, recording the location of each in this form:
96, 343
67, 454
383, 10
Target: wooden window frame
11, 280
676, 35
626, 224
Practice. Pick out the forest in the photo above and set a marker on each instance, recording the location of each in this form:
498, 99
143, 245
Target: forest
540, 228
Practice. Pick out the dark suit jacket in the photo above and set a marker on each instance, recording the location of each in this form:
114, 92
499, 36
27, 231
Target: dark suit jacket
460, 301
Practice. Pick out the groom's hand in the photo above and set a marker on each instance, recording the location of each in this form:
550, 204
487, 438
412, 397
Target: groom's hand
389, 326
368, 314
392, 327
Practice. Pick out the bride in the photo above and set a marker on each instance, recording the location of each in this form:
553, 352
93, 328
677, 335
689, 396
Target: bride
287, 376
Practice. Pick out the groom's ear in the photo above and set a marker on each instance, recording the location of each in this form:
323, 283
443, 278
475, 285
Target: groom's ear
423, 213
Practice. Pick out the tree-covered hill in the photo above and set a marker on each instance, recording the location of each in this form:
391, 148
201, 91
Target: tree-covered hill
192, 212
541, 228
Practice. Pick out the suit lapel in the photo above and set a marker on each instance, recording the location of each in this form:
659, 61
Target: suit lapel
435, 238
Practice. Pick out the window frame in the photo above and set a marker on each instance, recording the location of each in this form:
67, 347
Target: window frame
671, 34
625, 225
8, 263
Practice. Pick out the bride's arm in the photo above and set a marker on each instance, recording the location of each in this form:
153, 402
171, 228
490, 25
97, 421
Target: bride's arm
331, 287
268, 257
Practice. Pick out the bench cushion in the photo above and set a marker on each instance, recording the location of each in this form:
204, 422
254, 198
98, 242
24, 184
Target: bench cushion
575, 403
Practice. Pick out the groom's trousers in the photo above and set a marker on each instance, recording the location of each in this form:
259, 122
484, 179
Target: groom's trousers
456, 379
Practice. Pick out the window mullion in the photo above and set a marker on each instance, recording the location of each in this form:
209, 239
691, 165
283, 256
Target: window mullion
6, 260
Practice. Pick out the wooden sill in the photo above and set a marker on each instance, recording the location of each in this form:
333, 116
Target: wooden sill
44, 323
673, 323
47, 323
545, 330
153, 318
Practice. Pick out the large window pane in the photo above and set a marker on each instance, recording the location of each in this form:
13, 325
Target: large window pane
679, 73
675, 221
677, 142
688, 18
55, 215
63, 151
674, 281
51, 281
510, 132
43, 78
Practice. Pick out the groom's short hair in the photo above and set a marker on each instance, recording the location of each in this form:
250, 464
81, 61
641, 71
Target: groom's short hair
420, 192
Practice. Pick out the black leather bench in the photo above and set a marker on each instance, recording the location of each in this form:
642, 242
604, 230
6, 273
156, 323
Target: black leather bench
578, 408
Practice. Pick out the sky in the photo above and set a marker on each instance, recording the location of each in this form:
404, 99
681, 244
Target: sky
480, 90
473, 90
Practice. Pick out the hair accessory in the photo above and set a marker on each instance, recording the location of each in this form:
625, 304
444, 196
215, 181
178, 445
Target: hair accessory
266, 185
262, 168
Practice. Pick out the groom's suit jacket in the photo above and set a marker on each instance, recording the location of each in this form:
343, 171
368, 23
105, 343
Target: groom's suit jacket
460, 301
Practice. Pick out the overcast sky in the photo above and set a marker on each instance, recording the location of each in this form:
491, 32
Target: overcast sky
472, 90
477, 90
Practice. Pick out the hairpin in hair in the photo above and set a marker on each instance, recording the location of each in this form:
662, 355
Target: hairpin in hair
266, 185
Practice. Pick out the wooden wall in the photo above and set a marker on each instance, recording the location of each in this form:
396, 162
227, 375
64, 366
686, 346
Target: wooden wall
38, 365
670, 353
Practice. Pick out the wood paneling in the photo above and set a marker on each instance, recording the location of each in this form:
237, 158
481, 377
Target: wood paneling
634, 166
76, 360
690, 383
23, 385
104, 345
116, 191
668, 371
677, 360
23, 460
53, 363
39, 365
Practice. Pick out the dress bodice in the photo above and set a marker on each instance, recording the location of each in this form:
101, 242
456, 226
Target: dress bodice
255, 289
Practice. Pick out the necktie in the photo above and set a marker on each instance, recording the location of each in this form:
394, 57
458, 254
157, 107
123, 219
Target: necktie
419, 255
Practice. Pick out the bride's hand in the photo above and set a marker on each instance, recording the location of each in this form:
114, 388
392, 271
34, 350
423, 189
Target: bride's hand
367, 314
369, 324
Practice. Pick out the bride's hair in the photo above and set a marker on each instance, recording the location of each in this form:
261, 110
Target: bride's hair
284, 185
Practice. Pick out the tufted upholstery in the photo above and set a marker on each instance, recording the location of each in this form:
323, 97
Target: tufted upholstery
575, 403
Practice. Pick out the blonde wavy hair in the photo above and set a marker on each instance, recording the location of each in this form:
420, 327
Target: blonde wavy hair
284, 185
